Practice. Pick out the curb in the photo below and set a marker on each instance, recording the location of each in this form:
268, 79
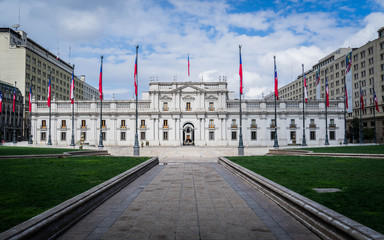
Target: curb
65, 154
284, 152
51, 223
326, 223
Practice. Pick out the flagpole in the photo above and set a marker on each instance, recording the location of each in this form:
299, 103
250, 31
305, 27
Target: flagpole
101, 107
50, 100
73, 110
14, 118
241, 146
361, 113
303, 142
345, 111
276, 144
30, 117
136, 148
326, 109
374, 116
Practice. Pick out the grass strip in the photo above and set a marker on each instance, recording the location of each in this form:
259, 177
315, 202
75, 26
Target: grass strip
370, 149
361, 182
10, 150
29, 187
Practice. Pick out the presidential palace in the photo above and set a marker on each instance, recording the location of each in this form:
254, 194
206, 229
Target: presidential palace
189, 113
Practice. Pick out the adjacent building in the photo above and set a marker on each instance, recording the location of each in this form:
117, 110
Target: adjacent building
188, 113
367, 71
11, 122
27, 63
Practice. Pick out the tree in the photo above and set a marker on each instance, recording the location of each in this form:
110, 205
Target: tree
368, 133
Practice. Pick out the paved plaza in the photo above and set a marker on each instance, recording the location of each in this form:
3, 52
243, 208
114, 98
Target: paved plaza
188, 200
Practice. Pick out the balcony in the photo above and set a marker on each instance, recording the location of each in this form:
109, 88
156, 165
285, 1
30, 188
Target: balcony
103, 126
332, 125
312, 125
143, 126
188, 109
63, 127
84, 126
292, 125
272, 125
165, 126
233, 125
253, 125
211, 109
212, 126
165, 109
123, 126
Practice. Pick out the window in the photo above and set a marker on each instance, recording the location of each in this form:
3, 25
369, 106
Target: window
292, 124
142, 124
253, 123
122, 136
165, 106
43, 124
165, 124
233, 125
83, 136
312, 135
370, 61
332, 135
63, 136
165, 135
103, 135
211, 123
273, 135
63, 123
362, 64
211, 135
142, 135
362, 54
188, 106
123, 125
234, 135
83, 124
211, 106
293, 135
43, 136
253, 135
273, 123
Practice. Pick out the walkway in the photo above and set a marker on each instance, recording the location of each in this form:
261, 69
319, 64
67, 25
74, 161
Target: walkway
188, 201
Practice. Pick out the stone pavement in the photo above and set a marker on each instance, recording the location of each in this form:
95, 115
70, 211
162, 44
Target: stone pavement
188, 201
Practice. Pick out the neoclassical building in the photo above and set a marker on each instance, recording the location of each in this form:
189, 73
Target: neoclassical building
189, 113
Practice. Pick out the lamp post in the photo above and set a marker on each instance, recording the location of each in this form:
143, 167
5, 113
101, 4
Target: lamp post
136, 148
361, 113
30, 116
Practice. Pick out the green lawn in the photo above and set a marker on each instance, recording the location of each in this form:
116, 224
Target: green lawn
374, 149
31, 186
361, 182
9, 150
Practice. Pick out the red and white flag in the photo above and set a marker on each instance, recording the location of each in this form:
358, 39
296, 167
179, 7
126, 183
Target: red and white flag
72, 90
241, 73
49, 93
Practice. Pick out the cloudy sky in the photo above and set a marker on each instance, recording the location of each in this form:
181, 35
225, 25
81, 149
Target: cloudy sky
296, 31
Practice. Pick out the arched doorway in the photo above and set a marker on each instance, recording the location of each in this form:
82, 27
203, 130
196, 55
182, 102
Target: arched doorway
188, 134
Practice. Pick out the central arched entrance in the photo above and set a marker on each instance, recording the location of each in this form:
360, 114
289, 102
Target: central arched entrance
188, 134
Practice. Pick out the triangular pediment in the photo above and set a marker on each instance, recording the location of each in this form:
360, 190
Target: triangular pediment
189, 89
212, 97
165, 98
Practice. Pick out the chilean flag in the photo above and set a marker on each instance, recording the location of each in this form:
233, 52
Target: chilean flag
14, 99
1, 102
49, 92
72, 90
135, 76
375, 98
276, 83
188, 66
30, 99
101, 80
326, 91
361, 100
348, 61
241, 75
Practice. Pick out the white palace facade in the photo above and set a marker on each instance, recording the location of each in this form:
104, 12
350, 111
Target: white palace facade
188, 113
